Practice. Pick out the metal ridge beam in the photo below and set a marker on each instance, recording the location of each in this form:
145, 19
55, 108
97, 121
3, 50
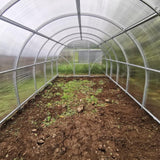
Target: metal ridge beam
78, 5
147, 4
8, 6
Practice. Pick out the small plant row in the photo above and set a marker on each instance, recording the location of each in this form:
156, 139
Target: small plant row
73, 97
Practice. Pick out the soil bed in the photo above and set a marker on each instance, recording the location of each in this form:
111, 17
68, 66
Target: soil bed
81, 119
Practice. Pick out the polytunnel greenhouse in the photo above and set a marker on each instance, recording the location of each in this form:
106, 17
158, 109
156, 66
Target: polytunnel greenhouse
80, 79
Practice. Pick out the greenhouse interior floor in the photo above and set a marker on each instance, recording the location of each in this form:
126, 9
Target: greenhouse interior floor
81, 119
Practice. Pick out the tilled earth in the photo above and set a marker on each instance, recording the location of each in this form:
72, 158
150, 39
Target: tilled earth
80, 119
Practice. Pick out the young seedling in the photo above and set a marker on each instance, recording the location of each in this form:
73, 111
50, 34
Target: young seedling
48, 105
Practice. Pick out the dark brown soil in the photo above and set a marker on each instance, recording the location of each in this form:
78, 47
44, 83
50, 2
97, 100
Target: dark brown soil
119, 130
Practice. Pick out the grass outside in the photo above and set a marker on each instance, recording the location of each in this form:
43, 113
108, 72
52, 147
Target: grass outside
8, 100
81, 69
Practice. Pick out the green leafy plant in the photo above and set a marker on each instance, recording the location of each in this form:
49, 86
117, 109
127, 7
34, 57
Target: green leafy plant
57, 94
101, 105
101, 82
92, 99
49, 120
48, 105
69, 112
50, 84
34, 122
98, 91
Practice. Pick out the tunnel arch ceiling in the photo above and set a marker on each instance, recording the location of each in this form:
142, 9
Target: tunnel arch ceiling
37, 30
15, 11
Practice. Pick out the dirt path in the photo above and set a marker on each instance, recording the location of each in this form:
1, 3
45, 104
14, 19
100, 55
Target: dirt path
81, 119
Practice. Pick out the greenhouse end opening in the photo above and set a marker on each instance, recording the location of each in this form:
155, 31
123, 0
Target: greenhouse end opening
93, 64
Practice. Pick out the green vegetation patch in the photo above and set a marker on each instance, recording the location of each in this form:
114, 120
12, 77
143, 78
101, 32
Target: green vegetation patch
71, 95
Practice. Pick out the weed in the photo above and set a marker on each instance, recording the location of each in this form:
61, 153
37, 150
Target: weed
48, 113
34, 122
47, 95
49, 120
98, 91
57, 94
68, 113
50, 84
48, 105
101, 82
92, 99
101, 105
16, 133
67, 96
60, 85
94, 111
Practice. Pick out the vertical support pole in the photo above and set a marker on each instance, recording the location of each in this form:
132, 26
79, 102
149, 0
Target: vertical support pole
126, 58
145, 65
74, 63
117, 76
45, 75
128, 76
52, 68
89, 67
110, 68
57, 66
110, 64
115, 55
107, 52
16, 87
34, 77
106, 67
145, 87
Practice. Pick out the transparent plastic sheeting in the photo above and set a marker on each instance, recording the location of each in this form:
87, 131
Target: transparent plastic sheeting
37, 13
30, 51
154, 3
117, 49
131, 50
34, 33
33, 13
44, 51
11, 42
124, 12
101, 24
59, 25
3, 3
149, 37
